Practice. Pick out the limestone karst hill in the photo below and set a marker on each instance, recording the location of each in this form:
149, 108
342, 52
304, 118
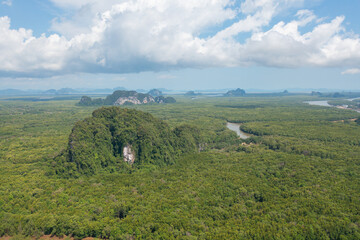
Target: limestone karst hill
122, 97
114, 138
235, 93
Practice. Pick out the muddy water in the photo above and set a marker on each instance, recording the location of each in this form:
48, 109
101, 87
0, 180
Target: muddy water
236, 128
319, 103
326, 104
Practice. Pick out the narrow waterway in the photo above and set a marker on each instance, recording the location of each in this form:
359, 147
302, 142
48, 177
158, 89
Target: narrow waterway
326, 104
236, 128
319, 103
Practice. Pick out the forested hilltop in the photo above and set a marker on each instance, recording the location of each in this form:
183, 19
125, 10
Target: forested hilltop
122, 97
297, 177
114, 138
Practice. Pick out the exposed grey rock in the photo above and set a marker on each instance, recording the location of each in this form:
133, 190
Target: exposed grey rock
129, 155
121, 97
133, 100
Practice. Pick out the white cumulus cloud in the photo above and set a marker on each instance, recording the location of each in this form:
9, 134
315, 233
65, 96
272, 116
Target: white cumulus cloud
7, 2
351, 71
123, 36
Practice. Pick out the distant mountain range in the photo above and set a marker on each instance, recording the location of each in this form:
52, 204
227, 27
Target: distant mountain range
83, 91
62, 91
72, 91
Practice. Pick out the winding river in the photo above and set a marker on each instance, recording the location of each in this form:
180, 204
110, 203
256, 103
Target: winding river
236, 128
326, 104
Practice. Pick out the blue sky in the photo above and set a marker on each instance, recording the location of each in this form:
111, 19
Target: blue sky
177, 44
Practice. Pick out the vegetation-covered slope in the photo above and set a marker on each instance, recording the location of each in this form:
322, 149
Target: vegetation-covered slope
97, 143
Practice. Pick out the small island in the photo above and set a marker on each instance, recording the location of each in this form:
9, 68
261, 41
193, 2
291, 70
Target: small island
235, 93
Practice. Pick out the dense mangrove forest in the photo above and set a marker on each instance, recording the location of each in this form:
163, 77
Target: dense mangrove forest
63, 173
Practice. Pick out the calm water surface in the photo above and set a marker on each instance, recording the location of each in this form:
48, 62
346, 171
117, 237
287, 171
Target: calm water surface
236, 128
326, 104
319, 103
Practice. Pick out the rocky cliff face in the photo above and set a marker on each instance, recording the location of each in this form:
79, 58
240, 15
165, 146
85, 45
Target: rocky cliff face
129, 155
133, 100
121, 97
